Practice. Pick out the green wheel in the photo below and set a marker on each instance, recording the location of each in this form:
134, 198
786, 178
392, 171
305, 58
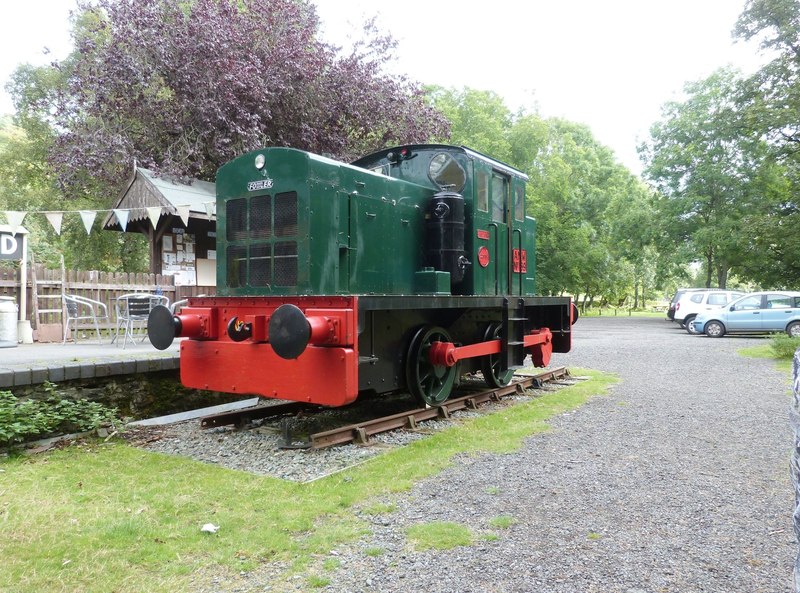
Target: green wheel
430, 384
490, 364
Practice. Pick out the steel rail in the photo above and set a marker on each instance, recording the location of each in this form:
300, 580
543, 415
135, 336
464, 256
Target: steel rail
360, 432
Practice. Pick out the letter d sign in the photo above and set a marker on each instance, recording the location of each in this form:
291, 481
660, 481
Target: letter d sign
10, 247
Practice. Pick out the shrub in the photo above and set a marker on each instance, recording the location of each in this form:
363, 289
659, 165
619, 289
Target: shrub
784, 347
26, 419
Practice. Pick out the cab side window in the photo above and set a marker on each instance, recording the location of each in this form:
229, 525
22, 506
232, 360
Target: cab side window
519, 203
499, 196
482, 190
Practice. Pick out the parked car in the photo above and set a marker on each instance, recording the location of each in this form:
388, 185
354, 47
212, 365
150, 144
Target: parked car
692, 303
758, 312
675, 298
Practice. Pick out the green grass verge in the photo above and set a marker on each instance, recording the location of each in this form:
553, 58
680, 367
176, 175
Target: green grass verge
780, 349
109, 517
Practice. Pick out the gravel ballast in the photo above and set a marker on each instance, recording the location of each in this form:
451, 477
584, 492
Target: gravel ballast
676, 481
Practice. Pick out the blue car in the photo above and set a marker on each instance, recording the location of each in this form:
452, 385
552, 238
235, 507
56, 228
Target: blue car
757, 312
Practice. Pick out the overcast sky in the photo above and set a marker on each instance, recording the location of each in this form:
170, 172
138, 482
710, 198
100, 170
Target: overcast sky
609, 64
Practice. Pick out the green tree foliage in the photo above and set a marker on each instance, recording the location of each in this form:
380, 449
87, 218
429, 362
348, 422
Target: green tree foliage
726, 161
589, 190
772, 96
707, 170
769, 105
28, 183
478, 119
632, 219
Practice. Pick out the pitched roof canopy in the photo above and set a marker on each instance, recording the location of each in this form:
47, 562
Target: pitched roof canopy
147, 190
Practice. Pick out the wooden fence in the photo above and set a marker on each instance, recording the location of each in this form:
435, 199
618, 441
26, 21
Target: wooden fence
45, 287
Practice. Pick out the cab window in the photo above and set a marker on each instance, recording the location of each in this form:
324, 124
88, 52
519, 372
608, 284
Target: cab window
445, 172
519, 203
499, 193
483, 190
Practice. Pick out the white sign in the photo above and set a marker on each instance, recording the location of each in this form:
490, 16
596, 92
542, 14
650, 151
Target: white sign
10, 246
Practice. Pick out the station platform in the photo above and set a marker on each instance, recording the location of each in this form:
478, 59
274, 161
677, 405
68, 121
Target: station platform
33, 364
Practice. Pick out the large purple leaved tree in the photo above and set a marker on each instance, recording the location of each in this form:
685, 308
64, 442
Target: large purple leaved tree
185, 86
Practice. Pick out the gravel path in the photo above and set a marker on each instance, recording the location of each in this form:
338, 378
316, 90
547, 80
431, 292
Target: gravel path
677, 481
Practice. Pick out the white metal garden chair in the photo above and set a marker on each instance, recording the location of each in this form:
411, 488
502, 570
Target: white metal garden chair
79, 308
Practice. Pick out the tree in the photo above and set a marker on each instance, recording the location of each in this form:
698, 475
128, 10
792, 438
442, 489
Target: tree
769, 102
705, 169
575, 181
632, 231
771, 97
184, 87
478, 119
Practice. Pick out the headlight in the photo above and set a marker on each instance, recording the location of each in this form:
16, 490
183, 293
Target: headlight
260, 161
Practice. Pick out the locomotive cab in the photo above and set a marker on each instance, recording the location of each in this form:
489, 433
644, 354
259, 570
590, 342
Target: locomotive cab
499, 238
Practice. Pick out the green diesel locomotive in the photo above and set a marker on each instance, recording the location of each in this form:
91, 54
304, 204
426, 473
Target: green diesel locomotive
404, 270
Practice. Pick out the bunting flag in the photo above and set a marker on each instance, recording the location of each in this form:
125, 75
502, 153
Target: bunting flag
55, 219
154, 213
87, 216
15, 219
183, 212
122, 217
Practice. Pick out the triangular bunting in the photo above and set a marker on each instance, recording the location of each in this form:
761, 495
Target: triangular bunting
87, 216
183, 212
122, 218
15, 219
55, 218
154, 213
209, 208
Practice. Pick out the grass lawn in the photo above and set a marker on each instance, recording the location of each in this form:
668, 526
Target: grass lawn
766, 351
106, 517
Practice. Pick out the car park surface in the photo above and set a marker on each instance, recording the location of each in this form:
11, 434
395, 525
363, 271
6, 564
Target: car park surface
666, 484
758, 312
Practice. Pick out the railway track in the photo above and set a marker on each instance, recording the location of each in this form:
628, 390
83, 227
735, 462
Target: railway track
361, 432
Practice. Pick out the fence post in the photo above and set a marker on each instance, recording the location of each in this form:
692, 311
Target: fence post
794, 417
